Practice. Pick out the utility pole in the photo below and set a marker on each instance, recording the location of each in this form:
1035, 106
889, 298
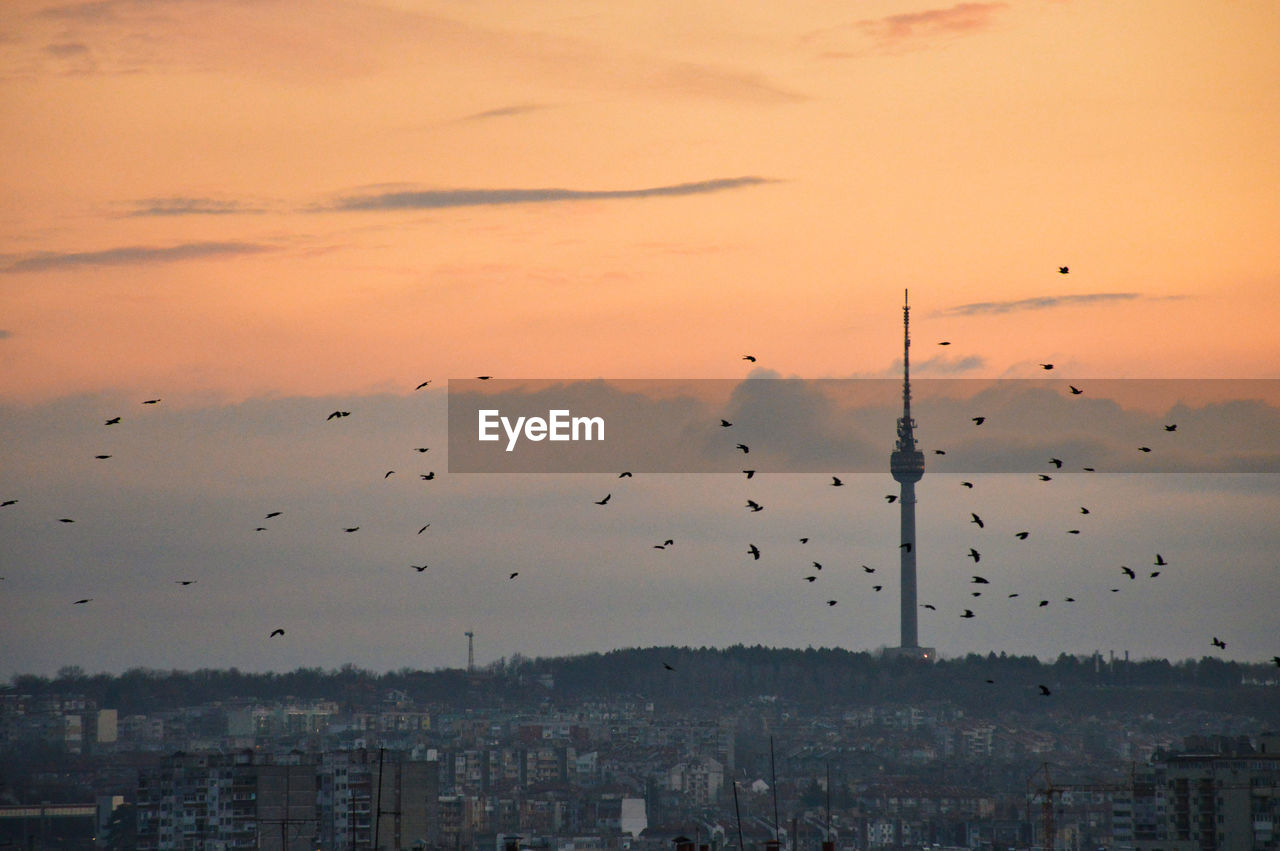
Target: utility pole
471, 656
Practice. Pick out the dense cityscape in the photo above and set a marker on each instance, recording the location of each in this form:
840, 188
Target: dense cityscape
545, 754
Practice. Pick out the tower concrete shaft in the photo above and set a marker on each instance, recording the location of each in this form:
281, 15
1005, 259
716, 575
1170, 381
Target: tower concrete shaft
907, 466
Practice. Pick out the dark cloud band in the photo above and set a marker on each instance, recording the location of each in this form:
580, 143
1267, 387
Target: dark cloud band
131, 255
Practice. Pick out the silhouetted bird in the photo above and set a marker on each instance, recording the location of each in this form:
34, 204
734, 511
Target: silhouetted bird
426, 477
1172, 427
968, 613
1276, 660
939, 452
1046, 366
905, 545
1128, 572
1218, 643
514, 574
978, 420
151, 402
668, 667
8, 502
260, 529
276, 632
725, 424
804, 540
754, 506
831, 602
484, 377
185, 581
1087, 469
1159, 562
1075, 391
876, 587
419, 567
981, 580
626, 474
337, 414
1068, 599
1073, 531
422, 449
945, 343
1154, 574
65, 520
1084, 510
754, 552
102, 457
1045, 478
836, 483
423, 384
868, 569
83, 601
1044, 690
745, 449
1044, 603
604, 501
112, 421
1057, 462
930, 606
817, 565
890, 498
1062, 270
668, 542
810, 578
976, 519
272, 514
423, 529
967, 485
1144, 448
1021, 536
975, 555
352, 529
749, 358
749, 473
388, 474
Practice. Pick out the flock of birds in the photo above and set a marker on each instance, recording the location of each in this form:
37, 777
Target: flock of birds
752, 506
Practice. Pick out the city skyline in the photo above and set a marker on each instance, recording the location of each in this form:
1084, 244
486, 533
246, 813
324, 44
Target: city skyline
259, 214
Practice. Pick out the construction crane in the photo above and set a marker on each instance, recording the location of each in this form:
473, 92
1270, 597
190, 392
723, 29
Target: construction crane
471, 654
1048, 823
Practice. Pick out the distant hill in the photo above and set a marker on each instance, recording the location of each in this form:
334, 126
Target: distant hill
684, 678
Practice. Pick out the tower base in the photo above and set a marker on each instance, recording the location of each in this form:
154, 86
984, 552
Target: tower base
920, 654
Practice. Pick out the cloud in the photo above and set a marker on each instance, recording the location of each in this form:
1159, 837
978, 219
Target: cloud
179, 206
960, 18
503, 112
440, 198
67, 49
130, 255
1037, 303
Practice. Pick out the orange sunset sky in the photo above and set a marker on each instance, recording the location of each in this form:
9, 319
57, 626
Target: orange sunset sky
260, 210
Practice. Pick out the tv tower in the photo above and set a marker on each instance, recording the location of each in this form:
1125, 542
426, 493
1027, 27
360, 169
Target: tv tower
907, 466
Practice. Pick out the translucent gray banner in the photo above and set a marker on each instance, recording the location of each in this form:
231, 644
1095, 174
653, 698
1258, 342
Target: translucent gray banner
846, 426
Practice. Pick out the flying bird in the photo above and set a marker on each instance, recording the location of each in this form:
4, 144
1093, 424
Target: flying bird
754, 506
423, 529
1219, 643
102, 457
604, 501
112, 421
625, 474
514, 575
65, 520
968, 613
484, 377
82, 601
754, 552
905, 545
817, 565
749, 358
1045, 478
876, 587
1021, 536
352, 529
745, 449
890, 498
978, 420
749, 473
831, 602
422, 449
804, 540
275, 632
426, 477
1044, 690
1128, 571
945, 343
1160, 562
260, 529
1062, 270
1171, 427
1068, 599
868, 569
337, 414
1075, 391
1084, 510
1144, 448
1154, 574
419, 567
668, 667
185, 581
422, 385
976, 519
836, 483
151, 402
1046, 366
8, 502
272, 514
930, 606
388, 474
725, 423
1073, 531
1057, 462
1088, 469
981, 580
968, 485
1044, 603
975, 555
810, 578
